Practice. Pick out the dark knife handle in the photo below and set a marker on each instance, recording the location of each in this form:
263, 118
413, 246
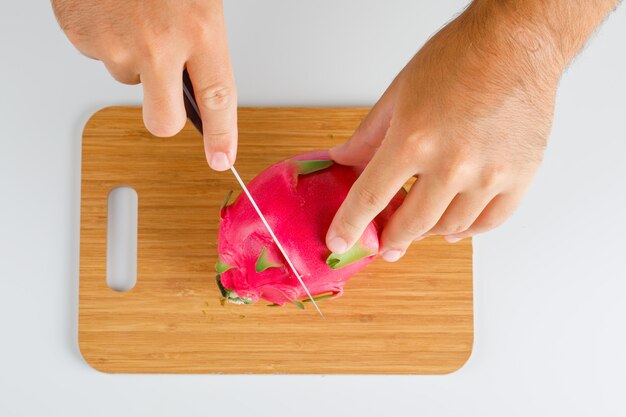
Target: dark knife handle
191, 107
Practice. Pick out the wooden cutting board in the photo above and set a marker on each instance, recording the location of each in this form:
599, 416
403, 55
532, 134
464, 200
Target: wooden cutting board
411, 317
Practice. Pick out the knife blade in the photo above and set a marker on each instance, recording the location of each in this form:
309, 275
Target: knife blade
193, 114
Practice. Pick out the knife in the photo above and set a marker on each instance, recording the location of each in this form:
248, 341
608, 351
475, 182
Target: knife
193, 114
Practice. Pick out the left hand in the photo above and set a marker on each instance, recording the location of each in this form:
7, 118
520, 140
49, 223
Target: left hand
469, 117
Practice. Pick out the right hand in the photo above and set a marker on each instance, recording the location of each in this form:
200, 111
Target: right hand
151, 43
469, 117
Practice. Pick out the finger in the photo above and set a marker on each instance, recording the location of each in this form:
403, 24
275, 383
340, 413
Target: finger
495, 213
369, 195
461, 213
214, 87
366, 139
122, 74
163, 105
421, 210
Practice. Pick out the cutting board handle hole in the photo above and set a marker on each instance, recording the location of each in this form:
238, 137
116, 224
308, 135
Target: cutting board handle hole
122, 238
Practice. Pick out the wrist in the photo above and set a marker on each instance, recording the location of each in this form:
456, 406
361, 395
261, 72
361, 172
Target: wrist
506, 35
551, 31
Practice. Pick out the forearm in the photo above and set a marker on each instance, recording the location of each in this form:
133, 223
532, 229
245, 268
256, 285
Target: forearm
552, 30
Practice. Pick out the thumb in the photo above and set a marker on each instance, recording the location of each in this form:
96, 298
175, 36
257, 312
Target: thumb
366, 139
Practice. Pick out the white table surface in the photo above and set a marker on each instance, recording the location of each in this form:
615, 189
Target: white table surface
550, 285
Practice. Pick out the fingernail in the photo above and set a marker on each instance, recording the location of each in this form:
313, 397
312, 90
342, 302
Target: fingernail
452, 239
392, 255
337, 148
417, 239
337, 245
219, 161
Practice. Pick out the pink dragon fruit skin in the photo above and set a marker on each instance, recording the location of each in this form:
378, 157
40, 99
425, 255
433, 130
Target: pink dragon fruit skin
299, 198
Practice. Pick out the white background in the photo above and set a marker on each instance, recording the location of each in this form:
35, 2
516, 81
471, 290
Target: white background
550, 287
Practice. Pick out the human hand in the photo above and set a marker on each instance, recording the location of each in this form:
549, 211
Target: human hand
469, 117
152, 42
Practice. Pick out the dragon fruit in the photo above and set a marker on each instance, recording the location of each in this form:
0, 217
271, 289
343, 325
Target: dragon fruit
299, 198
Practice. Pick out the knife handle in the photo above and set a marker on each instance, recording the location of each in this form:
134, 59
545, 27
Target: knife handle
191, 107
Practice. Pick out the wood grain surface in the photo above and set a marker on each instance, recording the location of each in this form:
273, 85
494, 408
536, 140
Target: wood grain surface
411, 317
